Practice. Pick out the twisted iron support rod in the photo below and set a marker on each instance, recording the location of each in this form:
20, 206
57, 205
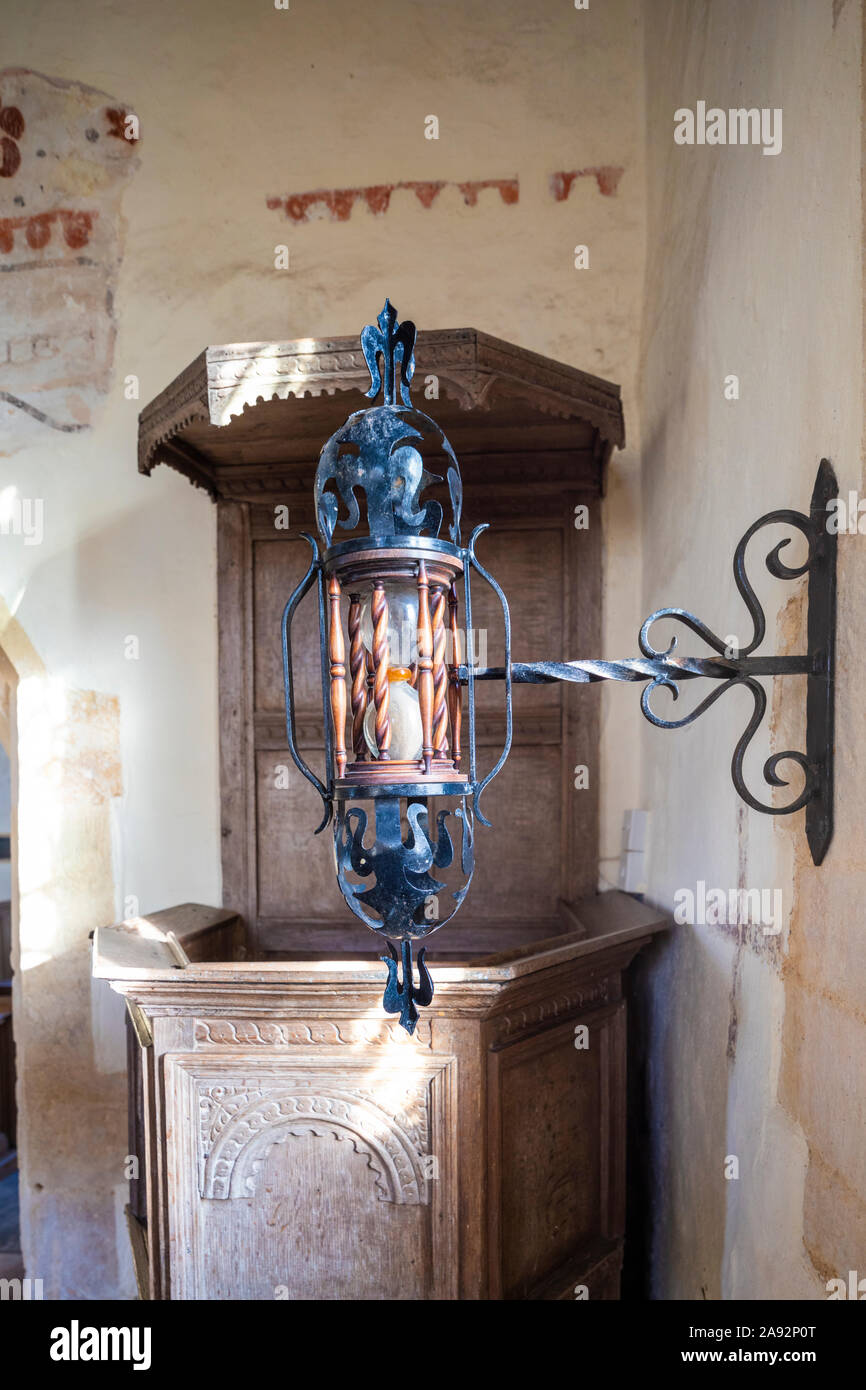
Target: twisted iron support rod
665, 672
646, 669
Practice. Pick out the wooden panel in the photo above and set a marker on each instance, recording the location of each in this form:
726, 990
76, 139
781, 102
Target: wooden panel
270, 1157
517, 863
594, 1276
136, 1122
296, 875
278, 567
557, 1171
528, 563
151, 1102
234, 591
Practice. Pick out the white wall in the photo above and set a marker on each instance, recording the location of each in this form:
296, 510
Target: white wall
753, 1043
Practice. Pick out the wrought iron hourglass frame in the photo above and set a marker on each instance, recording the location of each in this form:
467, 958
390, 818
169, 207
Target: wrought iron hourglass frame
405, 742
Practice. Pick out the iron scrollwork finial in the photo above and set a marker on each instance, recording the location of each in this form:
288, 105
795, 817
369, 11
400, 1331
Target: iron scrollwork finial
395, 343
402, 996
380, 453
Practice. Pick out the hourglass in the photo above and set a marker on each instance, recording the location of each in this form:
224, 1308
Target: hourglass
405, 700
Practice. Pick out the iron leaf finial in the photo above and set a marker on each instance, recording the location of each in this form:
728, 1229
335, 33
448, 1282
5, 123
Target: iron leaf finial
394, 342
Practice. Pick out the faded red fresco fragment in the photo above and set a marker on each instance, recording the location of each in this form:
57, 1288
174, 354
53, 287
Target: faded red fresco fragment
12, 122
57, 327
509, 190
37, 228
339, 202
378, 197
426, 192
116, 117
607, 176
10, 158
12, 125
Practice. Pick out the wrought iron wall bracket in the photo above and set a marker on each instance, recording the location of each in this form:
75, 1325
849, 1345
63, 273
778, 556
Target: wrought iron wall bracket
394, 844
659, 668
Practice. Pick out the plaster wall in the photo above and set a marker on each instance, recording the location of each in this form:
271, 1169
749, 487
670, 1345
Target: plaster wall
753, 1042
140, 254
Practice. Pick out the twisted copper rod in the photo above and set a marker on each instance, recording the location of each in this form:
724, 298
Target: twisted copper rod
379, 614
425, 666
358, 667
440, 675
455, 693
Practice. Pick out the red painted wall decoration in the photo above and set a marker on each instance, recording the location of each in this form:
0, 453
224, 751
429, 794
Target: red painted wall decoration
64, 162
337, 203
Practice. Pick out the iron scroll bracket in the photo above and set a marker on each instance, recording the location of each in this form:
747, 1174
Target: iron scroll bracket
314, 575
472, 562
659, 668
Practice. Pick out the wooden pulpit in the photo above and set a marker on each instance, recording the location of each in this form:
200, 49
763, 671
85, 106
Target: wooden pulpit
293, 1141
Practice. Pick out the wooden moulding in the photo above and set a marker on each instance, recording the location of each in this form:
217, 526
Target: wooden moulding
137, 950
365, 566
209, 421
372, 774
140, 1261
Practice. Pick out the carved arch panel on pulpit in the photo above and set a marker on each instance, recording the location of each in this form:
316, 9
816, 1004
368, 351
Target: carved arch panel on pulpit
295, 1134
239, 1125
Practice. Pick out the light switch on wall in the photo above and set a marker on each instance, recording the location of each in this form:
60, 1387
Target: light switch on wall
632, 863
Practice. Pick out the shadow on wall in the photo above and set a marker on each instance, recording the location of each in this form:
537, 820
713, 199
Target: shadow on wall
672, 997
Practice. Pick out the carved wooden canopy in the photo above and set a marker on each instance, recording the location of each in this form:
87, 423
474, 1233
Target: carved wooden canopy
246, 421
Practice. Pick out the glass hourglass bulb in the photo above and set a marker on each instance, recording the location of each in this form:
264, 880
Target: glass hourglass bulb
402, 624
407, 734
